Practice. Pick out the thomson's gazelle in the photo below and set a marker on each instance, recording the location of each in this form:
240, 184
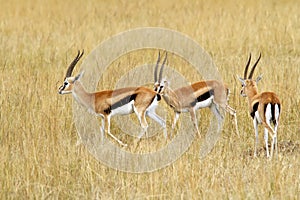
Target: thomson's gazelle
264, 107
202, 94
139, 100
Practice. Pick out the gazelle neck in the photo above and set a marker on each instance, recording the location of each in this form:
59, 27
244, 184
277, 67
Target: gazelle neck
171, 98
83, 97
251, 93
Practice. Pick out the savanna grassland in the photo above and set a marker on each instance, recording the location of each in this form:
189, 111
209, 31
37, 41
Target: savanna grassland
39, 158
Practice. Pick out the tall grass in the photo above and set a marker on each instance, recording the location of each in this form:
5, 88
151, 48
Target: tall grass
39, 158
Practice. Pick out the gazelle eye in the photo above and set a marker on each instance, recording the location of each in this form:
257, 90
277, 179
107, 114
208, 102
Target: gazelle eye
65, 83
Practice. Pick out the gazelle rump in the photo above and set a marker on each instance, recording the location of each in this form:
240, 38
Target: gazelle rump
264, 108
139, 100
210, 93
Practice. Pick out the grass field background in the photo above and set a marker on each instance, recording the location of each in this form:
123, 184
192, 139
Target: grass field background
39, 157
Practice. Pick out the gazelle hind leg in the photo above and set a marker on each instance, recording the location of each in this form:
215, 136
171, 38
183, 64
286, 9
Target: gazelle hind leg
266, 142
277, 114
268, 128
255, 124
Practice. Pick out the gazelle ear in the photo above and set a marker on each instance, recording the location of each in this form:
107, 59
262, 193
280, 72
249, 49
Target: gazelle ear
241, 80
166, 82
259, 78
79, 76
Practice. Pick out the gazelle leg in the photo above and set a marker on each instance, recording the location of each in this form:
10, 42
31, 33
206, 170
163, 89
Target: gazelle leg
156, 118
107, 119
275, 138
266, 142
102, 129
232, 112
277, 114
272, 133
215, 110
142, 119
255, 124
159, 120
176, 117
194, 119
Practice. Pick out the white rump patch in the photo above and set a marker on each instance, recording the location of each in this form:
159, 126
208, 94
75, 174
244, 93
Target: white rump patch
268, 113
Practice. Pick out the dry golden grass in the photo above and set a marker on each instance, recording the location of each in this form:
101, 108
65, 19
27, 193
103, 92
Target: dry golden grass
39, 158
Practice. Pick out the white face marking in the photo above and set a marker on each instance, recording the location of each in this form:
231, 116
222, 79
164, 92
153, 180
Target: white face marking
62, 88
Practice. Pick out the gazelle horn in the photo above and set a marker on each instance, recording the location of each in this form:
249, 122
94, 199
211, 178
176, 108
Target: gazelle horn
253, 68
73, 63
162, 67
156, 67
247, 66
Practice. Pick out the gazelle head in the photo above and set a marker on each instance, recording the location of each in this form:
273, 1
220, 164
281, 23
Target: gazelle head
248, 84
159, 82
69, 81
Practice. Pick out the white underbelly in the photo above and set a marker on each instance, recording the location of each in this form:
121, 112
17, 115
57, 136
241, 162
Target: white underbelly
204, 104
123, 110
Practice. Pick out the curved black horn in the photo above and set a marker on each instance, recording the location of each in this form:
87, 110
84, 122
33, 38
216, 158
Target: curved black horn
247, 66
73, 63
162, 68
156, 67
253, 68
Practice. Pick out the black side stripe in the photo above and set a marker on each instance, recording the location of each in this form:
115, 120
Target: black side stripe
120, 103
203, 97
254, 109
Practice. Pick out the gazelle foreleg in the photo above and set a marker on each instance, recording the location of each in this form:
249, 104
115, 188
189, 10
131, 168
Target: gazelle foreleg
140, 113
107, 123
158, 119
176, 117
142, 120
215, 110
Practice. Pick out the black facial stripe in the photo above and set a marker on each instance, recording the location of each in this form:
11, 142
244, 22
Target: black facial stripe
62, 87
159, 90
